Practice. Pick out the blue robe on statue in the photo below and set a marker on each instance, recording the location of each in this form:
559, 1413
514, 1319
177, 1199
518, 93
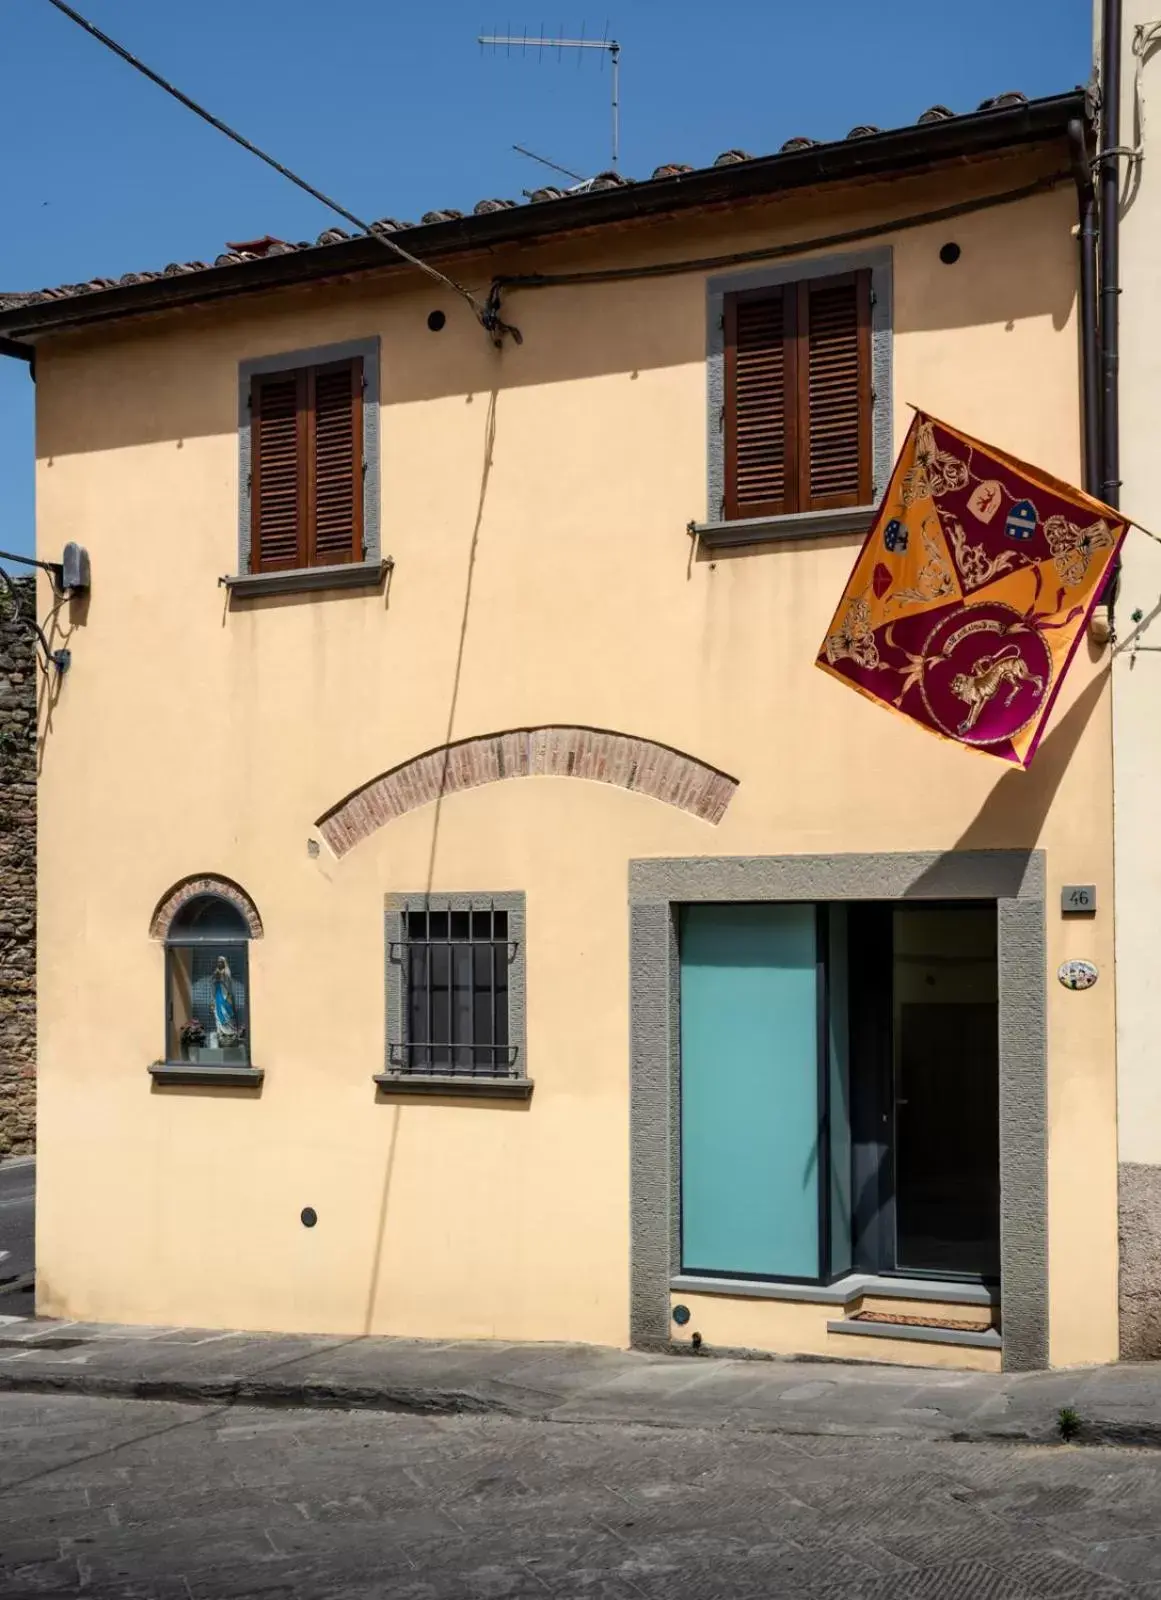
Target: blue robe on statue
225, 1012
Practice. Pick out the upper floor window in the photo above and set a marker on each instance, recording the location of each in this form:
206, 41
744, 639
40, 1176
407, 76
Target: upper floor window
797, 402
306, 466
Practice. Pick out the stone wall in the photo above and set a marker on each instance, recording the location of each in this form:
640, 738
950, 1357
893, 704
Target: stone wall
1140, 1279
18, 679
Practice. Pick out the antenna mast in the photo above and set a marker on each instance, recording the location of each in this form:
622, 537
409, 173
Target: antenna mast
527, 41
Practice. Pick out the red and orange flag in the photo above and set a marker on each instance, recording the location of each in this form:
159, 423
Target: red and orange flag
971, 592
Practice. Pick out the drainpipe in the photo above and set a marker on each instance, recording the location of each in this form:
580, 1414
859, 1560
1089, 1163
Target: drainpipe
1090, 403
1108, 169
1108, 165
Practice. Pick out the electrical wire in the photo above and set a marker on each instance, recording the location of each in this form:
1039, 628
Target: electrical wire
488, 317
54, 658
671, 269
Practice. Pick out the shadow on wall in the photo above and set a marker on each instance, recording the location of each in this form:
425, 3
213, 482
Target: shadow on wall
141, 392
457, 673
1012, 817
382, 1220
1014, 813
50, 680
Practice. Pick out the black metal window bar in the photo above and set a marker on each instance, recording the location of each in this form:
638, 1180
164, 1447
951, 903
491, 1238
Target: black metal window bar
455, 993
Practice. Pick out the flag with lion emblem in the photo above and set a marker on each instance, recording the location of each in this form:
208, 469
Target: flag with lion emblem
972, 592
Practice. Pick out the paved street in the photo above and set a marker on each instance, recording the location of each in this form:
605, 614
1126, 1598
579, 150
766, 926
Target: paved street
17, 1194
165, 1502
577, 1384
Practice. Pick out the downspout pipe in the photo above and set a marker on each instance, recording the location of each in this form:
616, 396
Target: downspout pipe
1108, 167
1090, 376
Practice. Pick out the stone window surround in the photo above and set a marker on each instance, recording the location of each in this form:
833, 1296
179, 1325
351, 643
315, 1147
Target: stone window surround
392, 1080
716, 531
1014, 879
369, 572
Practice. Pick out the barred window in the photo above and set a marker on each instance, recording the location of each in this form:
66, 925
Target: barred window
456, 991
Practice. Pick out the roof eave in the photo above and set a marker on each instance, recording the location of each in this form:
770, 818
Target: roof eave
875, 155
18, 351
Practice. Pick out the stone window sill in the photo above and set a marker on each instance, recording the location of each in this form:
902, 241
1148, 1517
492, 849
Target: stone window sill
197, 1072
779, 530
844, 1291
305, 580
453, 1086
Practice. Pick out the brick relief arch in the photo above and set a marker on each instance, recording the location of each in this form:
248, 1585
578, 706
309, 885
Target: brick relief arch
598, 754
203, 883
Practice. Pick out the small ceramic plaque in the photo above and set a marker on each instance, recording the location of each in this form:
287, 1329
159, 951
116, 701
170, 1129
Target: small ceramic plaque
1077, 974
1078, 897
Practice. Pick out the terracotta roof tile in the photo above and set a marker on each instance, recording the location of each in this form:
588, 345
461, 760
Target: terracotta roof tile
266, 246
261, 248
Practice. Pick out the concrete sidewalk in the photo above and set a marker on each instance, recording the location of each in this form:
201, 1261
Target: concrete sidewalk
578, 1383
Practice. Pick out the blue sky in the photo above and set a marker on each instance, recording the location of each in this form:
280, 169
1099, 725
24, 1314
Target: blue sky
395, 111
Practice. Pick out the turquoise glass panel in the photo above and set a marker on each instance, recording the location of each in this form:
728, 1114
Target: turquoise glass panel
749, 1090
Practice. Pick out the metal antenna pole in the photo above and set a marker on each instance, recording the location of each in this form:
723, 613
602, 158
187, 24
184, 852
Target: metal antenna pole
610, 47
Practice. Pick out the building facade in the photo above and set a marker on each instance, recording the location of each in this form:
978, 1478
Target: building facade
1134, 672
475, 917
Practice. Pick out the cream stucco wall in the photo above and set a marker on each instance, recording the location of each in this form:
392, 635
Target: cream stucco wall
1137, 671
1136, 684
535, 503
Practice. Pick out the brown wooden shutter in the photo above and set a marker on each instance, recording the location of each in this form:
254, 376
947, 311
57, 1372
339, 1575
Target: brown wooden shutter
834, 392
277, 472
336, 463
759, 422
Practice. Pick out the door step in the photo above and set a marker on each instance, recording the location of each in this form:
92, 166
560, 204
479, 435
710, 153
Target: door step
959, 1324
954, 1309
878, 1325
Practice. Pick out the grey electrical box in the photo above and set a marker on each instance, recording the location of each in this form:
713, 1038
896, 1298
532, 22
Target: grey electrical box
74, 564
1078, 898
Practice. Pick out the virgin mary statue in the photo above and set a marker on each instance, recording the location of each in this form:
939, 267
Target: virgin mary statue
225, 1012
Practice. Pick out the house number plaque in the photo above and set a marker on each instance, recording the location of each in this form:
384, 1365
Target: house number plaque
1078, 897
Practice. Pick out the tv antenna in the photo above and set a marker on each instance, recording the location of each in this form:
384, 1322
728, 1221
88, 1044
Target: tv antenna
525, 42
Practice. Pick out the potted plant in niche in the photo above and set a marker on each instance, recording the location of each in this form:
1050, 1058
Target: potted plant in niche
192, 1037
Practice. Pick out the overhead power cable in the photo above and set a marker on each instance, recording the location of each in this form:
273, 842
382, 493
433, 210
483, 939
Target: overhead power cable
487, 315
771, 252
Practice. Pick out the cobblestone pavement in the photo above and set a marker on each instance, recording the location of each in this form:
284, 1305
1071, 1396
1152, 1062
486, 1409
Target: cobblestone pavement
169, 1502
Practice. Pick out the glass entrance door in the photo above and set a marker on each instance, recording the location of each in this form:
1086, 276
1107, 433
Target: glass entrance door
946, 1091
